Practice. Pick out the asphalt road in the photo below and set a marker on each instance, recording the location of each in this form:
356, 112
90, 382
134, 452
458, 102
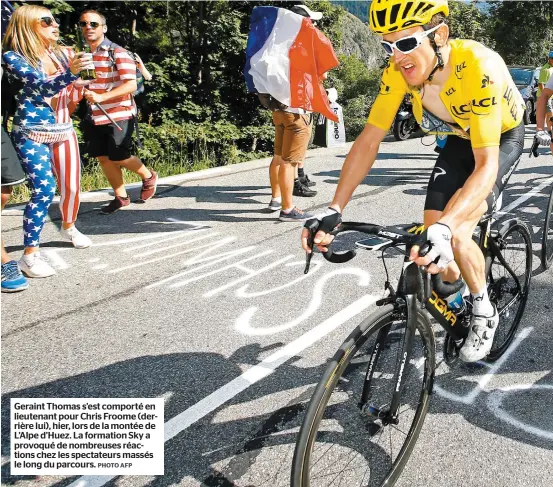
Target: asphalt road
199, 297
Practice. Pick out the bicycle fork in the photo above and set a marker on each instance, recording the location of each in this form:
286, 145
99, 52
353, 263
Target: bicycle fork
388, 414
410, 282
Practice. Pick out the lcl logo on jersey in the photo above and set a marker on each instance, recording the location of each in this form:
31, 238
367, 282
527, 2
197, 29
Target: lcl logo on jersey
509, 95
450, 91
459, 69
484, 102
486, 81
473, 107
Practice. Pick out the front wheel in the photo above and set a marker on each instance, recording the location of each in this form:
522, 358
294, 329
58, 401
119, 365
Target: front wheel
547, 237
508, 280
346, 441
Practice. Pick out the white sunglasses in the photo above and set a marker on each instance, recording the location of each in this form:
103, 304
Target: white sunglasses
407, 44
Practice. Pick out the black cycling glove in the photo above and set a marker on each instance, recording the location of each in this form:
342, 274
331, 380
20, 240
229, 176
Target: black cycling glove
326, 221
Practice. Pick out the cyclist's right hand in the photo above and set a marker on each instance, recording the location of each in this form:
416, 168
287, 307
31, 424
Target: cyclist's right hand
320, 225
543, 138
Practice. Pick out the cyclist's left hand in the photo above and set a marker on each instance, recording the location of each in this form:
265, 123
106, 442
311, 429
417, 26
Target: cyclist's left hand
440, 254
543, 138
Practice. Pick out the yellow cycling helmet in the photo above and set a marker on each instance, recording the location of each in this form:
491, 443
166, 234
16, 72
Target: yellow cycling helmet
387, 16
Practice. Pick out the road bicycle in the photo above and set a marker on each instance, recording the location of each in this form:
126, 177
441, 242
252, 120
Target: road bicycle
367, 411
546, 254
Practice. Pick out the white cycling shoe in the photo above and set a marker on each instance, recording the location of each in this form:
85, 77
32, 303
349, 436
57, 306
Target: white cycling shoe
480, 338
79, 240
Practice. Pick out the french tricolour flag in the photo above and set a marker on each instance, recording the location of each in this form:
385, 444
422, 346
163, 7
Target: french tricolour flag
286, 56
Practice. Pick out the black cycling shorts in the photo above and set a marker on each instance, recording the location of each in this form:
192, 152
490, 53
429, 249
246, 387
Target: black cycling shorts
456, 163
106, 140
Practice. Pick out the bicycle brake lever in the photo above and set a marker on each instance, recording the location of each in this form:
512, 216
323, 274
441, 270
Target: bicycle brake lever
534, 149
309, 255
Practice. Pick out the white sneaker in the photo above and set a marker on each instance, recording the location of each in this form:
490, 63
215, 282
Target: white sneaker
78, 240
32, 265
480, 338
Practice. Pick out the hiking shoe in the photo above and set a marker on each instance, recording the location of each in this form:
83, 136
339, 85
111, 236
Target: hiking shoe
480, 338
296, 215
274, 205
149, 187
12, 279
115, 204
78, 240
301, 190
306, 181
33, 265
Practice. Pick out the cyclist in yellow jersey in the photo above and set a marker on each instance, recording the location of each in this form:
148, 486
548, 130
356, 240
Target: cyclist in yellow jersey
459, 88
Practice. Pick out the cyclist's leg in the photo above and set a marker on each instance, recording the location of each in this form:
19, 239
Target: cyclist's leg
468, 255
485, 318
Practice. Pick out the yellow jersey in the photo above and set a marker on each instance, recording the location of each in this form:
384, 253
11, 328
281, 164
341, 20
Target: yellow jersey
479, 95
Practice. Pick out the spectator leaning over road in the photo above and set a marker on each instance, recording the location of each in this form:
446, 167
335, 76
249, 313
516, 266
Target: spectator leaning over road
33, 56
113, 88
462, 88
542, 136
12, 174
546, 72
285, 66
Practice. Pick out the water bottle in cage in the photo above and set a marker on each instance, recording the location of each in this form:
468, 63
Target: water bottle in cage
457, 300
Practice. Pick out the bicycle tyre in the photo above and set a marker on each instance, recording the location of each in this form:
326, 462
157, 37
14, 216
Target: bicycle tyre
547, 237
516, 241
343, 359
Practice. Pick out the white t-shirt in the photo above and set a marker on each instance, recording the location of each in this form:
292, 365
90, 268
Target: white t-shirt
549, 84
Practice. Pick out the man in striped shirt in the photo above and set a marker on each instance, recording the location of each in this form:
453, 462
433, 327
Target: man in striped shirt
115, 82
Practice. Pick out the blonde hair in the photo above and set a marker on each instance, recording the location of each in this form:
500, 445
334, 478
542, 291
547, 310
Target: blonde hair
21, 35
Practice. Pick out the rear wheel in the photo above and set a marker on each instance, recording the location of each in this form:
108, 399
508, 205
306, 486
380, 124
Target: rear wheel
508, 283
344, 442
547, 238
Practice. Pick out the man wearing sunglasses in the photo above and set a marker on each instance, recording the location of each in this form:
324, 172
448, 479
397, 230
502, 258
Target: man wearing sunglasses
461, 89
113, 88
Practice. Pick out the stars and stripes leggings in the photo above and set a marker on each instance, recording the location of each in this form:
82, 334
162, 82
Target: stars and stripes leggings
38, 161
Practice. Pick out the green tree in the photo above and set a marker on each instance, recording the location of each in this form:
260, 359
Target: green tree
467, 21
523, 31
357, 87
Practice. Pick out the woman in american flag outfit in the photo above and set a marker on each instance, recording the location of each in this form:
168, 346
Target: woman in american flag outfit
42, 131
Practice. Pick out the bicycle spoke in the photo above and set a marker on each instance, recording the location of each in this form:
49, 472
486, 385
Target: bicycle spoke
319, 459
396, 428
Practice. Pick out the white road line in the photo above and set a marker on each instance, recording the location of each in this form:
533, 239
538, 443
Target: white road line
177, 234
483, 382
122, 241
174, 246
526, 196
496, 398
57, 260
224, 394
158, 259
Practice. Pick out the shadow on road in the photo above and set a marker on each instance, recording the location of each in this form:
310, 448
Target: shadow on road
220, 451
